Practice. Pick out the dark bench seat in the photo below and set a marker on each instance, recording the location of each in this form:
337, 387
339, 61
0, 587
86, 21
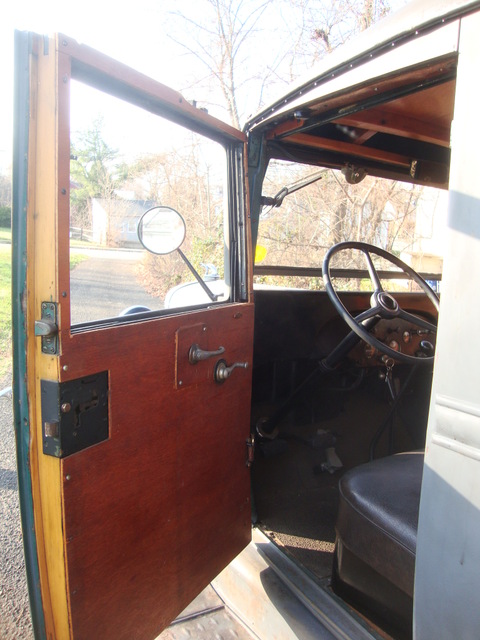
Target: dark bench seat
377, 535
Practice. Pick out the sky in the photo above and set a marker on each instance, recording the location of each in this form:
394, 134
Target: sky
136, 33
103, 24
132, 32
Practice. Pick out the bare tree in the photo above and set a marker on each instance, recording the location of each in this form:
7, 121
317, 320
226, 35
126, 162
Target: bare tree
188, 178
220, 43
310, 221
320, 26
248, 46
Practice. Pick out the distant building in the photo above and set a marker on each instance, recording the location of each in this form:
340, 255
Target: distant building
426, 253
115, 221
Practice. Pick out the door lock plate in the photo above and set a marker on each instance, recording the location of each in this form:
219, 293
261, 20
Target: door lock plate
74, 414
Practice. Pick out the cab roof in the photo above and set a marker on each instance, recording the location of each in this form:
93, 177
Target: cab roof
382, 104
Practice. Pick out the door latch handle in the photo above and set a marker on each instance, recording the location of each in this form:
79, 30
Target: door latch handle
196, 354
45, 328
222, 371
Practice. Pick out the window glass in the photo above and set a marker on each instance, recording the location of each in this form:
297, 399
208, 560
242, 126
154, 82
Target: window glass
406, 220
125, 161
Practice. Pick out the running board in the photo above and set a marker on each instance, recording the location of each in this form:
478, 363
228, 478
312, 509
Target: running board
274, 598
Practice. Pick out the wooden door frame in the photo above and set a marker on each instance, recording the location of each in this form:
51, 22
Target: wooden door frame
42, 204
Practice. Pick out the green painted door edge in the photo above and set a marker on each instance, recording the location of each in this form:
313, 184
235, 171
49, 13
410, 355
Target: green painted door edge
19, 264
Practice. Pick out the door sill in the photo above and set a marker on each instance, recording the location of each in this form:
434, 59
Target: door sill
274, 598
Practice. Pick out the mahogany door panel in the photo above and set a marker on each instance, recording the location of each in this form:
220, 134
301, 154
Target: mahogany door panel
176, 455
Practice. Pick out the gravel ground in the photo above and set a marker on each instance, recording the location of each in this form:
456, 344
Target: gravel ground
15, 622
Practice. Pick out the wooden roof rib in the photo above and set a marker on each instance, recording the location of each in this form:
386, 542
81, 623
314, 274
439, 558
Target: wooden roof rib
387, 126
386, 107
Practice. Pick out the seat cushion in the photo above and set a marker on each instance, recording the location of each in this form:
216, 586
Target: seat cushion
378, 516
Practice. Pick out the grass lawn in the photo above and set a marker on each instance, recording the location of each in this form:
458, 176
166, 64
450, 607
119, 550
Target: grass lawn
6, 303
5, 313
5, 234
76, 259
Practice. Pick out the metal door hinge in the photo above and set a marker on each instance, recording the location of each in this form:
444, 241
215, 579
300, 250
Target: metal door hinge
250, 450
47, 328
74, 414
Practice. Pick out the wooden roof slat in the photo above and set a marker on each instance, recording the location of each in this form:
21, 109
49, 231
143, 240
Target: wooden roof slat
363, 135
399, 124
315, 142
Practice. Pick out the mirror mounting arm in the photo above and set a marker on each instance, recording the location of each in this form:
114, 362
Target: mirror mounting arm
211, 295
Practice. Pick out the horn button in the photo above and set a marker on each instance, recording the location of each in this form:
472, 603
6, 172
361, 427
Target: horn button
387, 303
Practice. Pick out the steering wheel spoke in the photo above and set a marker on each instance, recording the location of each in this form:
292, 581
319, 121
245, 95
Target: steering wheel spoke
384, 305
377, 285
417, 320
369, 313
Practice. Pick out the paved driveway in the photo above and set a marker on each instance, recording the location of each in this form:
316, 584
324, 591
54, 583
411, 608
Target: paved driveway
106, 283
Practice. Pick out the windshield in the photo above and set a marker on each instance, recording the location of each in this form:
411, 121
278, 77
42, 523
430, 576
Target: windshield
404, 219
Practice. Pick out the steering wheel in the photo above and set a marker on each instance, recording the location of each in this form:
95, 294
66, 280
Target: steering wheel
382, 303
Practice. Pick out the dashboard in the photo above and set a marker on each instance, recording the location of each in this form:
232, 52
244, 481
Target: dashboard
398, 334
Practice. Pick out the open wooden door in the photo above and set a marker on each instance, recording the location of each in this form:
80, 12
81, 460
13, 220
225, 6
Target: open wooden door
132, 458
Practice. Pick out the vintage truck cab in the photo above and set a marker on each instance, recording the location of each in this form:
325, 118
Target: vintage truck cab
321, 390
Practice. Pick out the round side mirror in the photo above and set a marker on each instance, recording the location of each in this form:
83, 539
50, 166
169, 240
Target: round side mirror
161, 230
